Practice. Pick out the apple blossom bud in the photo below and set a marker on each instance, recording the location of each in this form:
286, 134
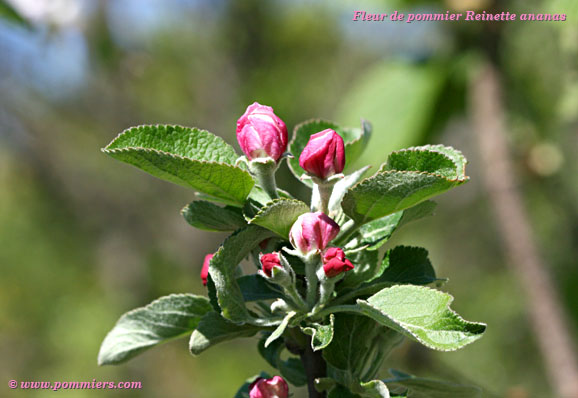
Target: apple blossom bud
205, 269
268, 261
312, 232
261, 133
324, 154
334, 262
275, 387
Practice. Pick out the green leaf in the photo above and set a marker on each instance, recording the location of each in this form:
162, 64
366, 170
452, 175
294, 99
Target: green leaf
214, 329
348, 352
342, 392
280, 329
409, 177
405, 264
321, 335
366, 266
280, 215
254, 288
341, 187
376, 233
210, 217
355, 140
291, 369
189, 157
422, 314
164, 319
430, 388
8, 12
222, 270
243, 392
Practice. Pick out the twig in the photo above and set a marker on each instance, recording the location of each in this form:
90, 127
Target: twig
546, 313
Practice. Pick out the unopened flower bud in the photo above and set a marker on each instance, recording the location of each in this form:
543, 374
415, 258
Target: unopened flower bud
324, 154
268, 261
312, 232
275, 387
261, 133
205, 269
334, 262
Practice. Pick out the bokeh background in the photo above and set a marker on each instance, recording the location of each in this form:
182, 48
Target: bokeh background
84, 238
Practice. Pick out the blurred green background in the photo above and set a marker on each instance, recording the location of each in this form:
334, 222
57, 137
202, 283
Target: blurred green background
84, 238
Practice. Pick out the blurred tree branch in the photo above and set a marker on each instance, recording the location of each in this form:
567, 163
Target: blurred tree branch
545, 310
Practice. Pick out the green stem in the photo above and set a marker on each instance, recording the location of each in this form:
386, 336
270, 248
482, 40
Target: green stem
300, 304
265, 174
312, 282
325, 191
336, 308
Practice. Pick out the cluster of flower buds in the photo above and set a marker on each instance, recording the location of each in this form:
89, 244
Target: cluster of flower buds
261, 133
274, 387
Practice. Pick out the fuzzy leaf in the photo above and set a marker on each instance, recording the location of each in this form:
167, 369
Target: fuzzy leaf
422, 314
164, 319
341, 187
222, 270
375, 234
210, 217
280, 329
374, 389
420, 387
321, 335
189, 157
279, 215
408, 178
355, 140
405, 264
214, 329
366, 266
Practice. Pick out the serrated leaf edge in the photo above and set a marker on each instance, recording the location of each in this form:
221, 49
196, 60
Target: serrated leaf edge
365, 304
432, 148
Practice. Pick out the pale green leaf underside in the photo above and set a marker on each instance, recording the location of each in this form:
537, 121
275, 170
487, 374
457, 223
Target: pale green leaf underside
164, 319
409, 177
280, 329
188, 157
214, 329
279, 215
422, 314
222, 270
321, 335
210, 217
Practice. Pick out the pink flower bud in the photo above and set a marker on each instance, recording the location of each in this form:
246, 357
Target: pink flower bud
313, 231
275, 387
261, 133
334, 262
205, 269
324, 154
268, 261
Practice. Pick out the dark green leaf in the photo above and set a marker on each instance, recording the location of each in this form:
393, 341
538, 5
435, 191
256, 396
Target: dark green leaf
291, 369
254, 287
189, 157
404, 264
222, 270
279, 215
214, 329
422, 314
164, 319
8, 12
366, 267
430, 388
210, 217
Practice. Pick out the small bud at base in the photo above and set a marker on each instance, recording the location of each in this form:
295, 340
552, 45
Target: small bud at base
275, 387
334, 262
268, 261
205, 269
